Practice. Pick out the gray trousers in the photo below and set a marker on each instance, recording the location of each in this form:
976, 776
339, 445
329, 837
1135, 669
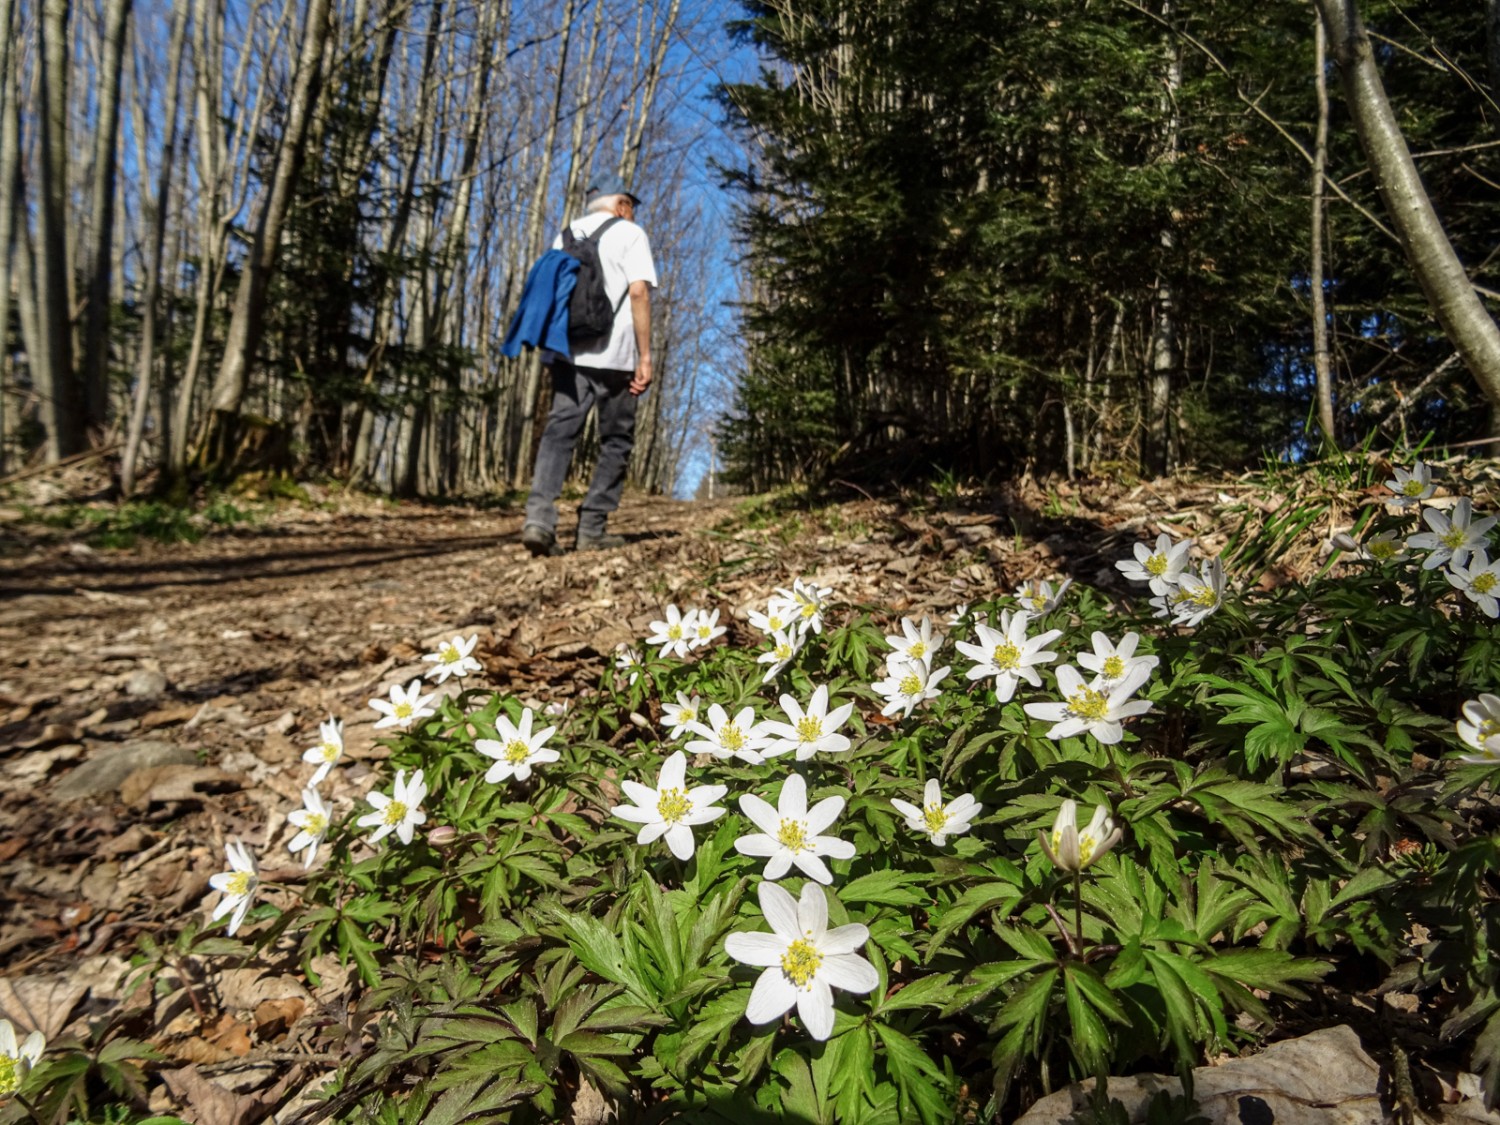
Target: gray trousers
576, 390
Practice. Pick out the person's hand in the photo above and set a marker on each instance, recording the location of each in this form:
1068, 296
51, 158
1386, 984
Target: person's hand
642, 378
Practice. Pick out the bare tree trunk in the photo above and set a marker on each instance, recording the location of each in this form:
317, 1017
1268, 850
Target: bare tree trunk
630, 154
1322, 361
249, 305
94, 373
156, 219
1439, 272
10, 162
62, 408
523, 433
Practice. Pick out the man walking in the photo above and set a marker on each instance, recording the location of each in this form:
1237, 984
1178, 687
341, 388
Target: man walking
611, 372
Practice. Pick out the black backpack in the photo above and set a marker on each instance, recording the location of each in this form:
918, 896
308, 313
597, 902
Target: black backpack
591, 314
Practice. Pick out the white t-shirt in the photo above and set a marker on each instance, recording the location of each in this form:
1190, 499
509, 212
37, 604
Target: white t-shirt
625, 254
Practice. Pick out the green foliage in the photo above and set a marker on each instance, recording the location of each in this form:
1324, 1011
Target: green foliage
122, 526
1289, 805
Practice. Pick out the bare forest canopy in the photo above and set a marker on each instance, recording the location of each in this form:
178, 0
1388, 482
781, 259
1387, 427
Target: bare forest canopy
288, 235
1092, 235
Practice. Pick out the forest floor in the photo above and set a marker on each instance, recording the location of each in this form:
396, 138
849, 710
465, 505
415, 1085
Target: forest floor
156, 701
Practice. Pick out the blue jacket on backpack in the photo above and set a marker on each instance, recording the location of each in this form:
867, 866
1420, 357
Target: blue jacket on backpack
542, 318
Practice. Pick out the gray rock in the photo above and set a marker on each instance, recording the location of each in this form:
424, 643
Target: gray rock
1320, 1079
109, 766
145, 683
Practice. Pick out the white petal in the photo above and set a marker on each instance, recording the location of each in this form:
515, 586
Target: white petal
812, 912
780, 909
673, 772
680, 841
815, 1006
833, 848
640, 794
824, 813
810, 865
760, 950
850, 972
652, 832
757, 844
932, 793
761, 813
792, 804
778, 865
772, 996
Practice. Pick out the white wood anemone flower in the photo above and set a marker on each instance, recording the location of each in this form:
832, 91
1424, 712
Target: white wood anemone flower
706, 628
740, 737
1479, 581
807, 601
674, 634
399, 813
1111, 663
1039, 597
785, 645
1386, 548
1159, 568
1099, 709
790, 832
1452, 538
517, 749
908, 683
935, 819
311, 822
780, 616
1073, 849
679, 717
671, 810
1480, 728
237, 885
628, 662
329, 749
17, 1058
1411, 487
1008, 654
1196, 597
809, 732
404, 707
804, 960
453, 659
917, 641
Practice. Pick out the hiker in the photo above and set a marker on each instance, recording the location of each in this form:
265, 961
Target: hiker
609, 371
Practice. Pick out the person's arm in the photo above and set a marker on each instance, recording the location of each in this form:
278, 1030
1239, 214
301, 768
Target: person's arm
640, 316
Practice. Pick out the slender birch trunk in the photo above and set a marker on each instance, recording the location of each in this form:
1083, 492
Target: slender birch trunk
249, 306
156, 211
1322, 361
99, 249
62, 406
10, 163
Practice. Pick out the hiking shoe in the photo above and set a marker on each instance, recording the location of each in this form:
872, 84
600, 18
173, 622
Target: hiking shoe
604, 541
539, 541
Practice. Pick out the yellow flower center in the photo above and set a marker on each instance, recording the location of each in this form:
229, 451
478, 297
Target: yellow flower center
1037, 602
808, 609
776, 622
911, 684
672, 805
10, 1076
1086, 847
403, 710
800, 962
1201, 595
674, 632
792, 835
316, 824
450, 655
1114, 667
935, 817
917, 650
809, 728
1454, 537
516, 751
1006, 656
1089, 704
731, 737
1484, 583
687, 715
1488, 728
238, 884
395, 812
704, 631
1156, 565
784, 651
1413, 487
331, 751
1381, 550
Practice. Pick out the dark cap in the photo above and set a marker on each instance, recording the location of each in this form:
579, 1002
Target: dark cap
610, 185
